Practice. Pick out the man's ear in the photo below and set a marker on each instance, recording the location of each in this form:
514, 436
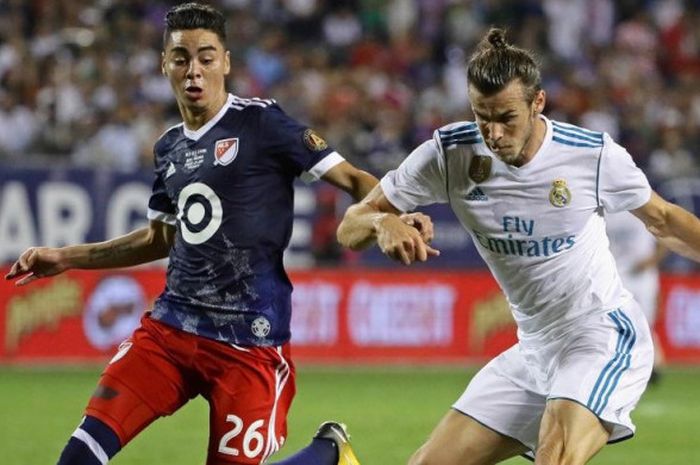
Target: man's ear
162, 63
227, 63
538, 102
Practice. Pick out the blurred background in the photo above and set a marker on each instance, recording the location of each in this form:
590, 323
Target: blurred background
82, 101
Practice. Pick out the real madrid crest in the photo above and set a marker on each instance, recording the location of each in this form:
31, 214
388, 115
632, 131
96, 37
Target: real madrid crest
560, 195
480, 168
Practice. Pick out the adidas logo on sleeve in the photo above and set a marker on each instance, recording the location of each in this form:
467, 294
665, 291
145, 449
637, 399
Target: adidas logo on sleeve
477, 194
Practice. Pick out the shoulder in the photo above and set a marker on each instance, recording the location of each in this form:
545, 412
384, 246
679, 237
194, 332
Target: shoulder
252, 103
168, 139
458, 133
267, 112
571, 135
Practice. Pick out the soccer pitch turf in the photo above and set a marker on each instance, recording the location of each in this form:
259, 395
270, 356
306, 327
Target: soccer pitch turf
389, 412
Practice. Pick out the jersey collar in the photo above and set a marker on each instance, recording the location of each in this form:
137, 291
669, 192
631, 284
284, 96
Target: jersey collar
196, 135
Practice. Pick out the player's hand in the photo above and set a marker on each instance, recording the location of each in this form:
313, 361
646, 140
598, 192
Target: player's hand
35, 263
402, 242
422, 223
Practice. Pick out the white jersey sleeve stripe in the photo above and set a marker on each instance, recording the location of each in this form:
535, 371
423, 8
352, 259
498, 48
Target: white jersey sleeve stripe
572, 143
580, 130
162, 217
579, 136
322, 167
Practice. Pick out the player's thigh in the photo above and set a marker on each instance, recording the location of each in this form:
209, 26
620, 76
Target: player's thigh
570, 434
503, 397
605, 366
249, 406
460, 440
141, 383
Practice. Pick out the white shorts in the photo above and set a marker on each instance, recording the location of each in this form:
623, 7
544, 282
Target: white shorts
603, 362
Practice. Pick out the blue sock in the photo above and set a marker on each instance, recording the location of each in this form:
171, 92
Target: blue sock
319, 452
93, 443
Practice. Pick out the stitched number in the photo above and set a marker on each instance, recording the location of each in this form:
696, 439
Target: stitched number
253, 440
237, 428
253, 436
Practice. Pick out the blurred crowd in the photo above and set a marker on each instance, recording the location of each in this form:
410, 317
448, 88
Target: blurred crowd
80, 80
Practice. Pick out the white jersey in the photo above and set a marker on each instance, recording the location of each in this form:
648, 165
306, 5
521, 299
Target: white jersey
539, 227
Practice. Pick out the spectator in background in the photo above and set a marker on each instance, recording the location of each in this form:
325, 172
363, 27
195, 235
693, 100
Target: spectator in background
671, 160
405, 45
18, 126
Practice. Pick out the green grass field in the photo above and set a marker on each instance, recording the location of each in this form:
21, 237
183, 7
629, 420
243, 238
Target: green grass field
389, 412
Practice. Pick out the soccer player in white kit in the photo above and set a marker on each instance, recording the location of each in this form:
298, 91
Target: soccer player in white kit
532, 193
637, 256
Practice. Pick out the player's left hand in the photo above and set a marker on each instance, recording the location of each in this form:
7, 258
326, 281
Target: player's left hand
422, 223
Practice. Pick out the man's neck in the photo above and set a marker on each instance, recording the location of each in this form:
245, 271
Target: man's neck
194, 120
534, 142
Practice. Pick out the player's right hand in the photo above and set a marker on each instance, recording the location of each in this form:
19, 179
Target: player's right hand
402, 242
35, 263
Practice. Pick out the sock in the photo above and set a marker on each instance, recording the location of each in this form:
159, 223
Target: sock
319, 452
92, 443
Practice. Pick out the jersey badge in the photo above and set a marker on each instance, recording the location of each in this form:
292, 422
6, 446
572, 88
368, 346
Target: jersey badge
480, 168
225, 151
313, 141
260, 327
560, 195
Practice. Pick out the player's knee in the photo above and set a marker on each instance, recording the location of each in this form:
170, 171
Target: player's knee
555, 452
422, 457
428, 455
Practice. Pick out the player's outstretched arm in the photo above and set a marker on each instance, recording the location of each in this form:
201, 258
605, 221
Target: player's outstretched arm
376, 219
674, 227
352, 180
140, 246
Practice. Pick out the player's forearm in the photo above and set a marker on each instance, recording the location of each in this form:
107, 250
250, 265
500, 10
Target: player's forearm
135, 248
363, 183
358, 230
681, 233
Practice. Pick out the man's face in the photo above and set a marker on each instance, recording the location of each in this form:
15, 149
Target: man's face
196, 64
506, 120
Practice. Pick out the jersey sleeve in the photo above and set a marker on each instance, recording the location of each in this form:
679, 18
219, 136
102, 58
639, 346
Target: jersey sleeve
302, 150
419, 180
621, 183
160, 206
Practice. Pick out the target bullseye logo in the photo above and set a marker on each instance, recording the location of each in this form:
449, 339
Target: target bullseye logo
199, 213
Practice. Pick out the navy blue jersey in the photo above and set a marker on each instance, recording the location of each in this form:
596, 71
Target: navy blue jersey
228, 188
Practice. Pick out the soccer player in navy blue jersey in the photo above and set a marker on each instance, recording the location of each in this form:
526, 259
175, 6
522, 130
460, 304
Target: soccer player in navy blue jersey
222, 211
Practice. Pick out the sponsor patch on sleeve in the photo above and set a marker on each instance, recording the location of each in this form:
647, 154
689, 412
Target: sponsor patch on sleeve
313, 141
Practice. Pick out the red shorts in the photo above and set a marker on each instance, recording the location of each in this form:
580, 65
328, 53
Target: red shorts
160, 368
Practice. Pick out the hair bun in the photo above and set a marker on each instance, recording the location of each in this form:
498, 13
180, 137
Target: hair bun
497, 38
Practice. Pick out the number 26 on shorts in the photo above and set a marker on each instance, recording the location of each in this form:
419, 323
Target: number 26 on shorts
253, 439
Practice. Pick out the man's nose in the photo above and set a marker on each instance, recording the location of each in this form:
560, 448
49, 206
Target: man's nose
495, 131
194, 70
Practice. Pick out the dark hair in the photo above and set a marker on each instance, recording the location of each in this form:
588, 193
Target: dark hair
194, 16
496, 63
